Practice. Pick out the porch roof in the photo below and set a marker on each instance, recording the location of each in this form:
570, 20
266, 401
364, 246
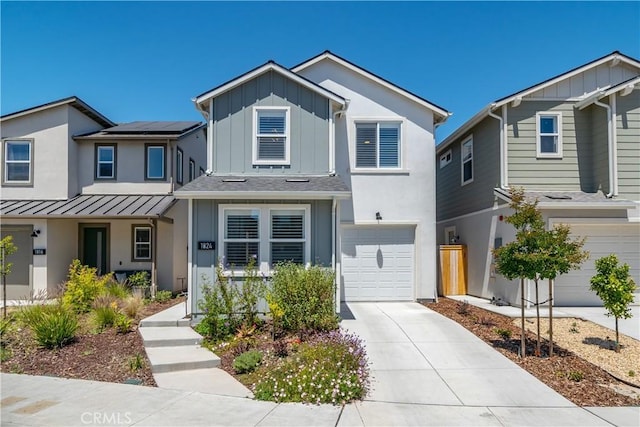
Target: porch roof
570, 199
91, 206
281, 186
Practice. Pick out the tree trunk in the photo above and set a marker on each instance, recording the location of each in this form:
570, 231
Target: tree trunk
550, 317
538, 320
523, 345
617, 338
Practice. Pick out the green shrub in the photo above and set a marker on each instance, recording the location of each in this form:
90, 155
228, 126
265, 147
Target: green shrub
247, 361
122, 323
5, 327
330, 368
504, 333
218, 305
105, 316
576, 376
136, 362
83, 287
250, 292
163, 296
52, 325
139, 279
306, 297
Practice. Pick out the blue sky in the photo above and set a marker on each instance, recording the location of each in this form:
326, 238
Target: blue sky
145, 61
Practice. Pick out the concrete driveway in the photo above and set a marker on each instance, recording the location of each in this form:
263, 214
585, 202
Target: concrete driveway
419, 357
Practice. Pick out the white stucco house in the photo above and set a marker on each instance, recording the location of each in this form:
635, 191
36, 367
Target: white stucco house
75, 184
324, 162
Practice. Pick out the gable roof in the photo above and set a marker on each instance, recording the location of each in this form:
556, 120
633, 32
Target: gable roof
145, 129
73, 101
268, 66
440, 112
614, 57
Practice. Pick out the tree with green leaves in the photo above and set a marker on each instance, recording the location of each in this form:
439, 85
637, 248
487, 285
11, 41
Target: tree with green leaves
535, 254
615, 287
7, 248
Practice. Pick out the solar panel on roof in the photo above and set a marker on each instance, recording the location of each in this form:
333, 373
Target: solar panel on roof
153, 127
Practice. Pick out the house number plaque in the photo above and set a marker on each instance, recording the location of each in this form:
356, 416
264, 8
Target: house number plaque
207, 246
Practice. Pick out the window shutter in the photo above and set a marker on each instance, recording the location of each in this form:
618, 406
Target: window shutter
389, 142
242, 226
366, 145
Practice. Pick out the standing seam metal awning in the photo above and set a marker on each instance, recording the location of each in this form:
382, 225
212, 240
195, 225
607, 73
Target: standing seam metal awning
99, 205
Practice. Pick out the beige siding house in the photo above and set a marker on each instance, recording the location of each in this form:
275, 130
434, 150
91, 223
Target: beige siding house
572, 142
77, 185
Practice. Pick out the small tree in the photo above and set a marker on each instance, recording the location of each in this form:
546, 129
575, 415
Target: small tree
7, 248
615, 288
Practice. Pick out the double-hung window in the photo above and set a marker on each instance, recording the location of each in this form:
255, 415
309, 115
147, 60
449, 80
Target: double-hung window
141, 243
179, 166
269, 234
287, 236
18, 161
241, 236
378, 145
271, 143
105, 161
155, 163
192, 170
549, 134
467, 161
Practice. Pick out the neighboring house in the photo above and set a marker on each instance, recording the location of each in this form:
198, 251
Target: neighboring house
321, 163
76, 185
572, 142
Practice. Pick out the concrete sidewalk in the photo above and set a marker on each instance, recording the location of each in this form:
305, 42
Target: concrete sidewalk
426, 370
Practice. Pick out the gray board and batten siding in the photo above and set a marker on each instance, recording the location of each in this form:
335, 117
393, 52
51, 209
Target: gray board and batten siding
628, 139
205, 228
453, 198
233, 131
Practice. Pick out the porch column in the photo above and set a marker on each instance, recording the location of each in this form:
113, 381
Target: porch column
154, 257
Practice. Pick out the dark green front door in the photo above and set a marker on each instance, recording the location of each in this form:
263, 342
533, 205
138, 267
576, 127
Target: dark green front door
95, 248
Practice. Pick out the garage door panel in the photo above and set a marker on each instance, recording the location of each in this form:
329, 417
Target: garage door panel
378, 263
572, 289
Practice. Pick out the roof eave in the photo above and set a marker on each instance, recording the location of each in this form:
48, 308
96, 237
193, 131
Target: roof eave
301, 195
269, 66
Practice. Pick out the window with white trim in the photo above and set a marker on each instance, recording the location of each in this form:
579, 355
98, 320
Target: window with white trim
105, 161
467, 161
141, 243
271, 145
269, 234
549, 134
155, 164
378, 145
179, 166
18, 161
445, 159
192, 170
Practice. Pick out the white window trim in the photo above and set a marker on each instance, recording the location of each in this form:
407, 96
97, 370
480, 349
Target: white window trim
112, 162
401, 144
447, 230
462, 162
134, 257
179, 166
443, 158
5, 175
192, 169
148, 149
539, 153
287, 136
264, 228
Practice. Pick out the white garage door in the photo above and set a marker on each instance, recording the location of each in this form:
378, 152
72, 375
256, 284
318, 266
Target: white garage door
572, 289
378, 263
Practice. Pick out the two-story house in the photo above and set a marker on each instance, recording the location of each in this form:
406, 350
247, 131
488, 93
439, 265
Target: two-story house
573, 143
76, 185
322, 163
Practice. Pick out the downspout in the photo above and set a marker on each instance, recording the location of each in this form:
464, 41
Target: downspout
334, 241
613, 190
332, 142
207, 116
504, 182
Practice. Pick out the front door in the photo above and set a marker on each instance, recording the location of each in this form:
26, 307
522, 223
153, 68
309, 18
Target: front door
19, 280
94, 247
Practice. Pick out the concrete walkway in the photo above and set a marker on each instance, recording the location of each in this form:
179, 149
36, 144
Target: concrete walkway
427, 370
629, 327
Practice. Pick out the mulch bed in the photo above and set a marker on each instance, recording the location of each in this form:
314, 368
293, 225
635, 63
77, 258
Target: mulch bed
101, 356
595, 389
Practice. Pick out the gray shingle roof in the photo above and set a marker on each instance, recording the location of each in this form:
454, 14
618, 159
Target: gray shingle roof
124, 206
145, 128
566, 198
254, 186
